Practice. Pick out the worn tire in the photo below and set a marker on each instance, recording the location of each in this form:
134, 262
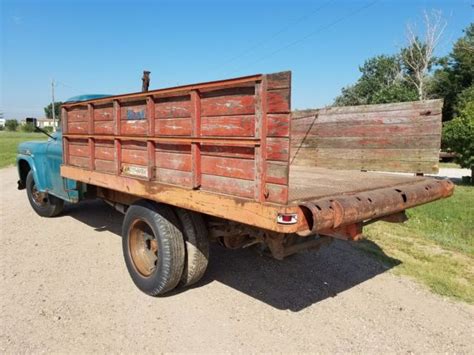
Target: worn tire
197, 246
44, 204
159, 220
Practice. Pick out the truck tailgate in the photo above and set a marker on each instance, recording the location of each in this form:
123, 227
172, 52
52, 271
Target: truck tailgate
335, 198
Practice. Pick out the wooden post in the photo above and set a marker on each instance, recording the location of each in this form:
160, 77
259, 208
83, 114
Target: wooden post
151, 132
261, 132
196, 133
91, 143
117, 142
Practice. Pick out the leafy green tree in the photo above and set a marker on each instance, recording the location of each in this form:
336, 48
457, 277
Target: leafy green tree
458, 134
381, 82
57, 110
456, 72
11, 125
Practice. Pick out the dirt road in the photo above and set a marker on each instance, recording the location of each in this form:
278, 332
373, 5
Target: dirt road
64, 287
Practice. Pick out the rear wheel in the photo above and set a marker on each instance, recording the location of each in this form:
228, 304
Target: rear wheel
43, 203
153, 247
197, 246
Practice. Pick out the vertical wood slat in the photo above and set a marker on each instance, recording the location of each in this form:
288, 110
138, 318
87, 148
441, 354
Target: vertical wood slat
196, 132
64, 120
117, 142
65, 150
118, 156
151, 132
90, 129
261, 132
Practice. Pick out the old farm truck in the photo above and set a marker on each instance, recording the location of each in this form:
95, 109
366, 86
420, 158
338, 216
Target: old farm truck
227, 161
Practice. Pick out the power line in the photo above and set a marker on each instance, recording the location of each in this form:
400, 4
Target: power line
276, 34
319, 30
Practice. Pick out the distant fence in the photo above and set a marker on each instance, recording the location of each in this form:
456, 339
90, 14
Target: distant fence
400, 137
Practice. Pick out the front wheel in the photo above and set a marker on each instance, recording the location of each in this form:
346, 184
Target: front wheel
153, 247
43, 203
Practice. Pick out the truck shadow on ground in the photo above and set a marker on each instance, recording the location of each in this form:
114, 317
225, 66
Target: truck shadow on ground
291, 284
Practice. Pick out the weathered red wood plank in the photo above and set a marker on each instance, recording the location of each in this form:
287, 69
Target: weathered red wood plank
228, 105
132, 144
174, 177
230, 167
79, 114
106, 166
228, 151
173, 127
174, 107
150, 114
278, 125
104, 113
176, 161
277, 172
90, 117
176, 148
277, 193
133, 111
375, 165
279, 101
278, 149
91, 147
236, 126
388, 142
104, 152
117, 120
196, 132
226, 185
78, 127
78, 150
280, 80
133, 156
134, 127
104, 127
81, 162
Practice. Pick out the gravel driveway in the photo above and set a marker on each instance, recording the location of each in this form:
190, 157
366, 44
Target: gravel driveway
64, 288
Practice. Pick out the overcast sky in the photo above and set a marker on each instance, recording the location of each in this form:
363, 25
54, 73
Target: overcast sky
103, 46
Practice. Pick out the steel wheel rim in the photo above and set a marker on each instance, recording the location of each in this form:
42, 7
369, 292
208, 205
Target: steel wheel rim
39, 198
143, 248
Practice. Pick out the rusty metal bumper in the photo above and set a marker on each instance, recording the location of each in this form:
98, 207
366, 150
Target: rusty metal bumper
331, 214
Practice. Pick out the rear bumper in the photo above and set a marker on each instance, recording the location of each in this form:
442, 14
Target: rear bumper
342, 210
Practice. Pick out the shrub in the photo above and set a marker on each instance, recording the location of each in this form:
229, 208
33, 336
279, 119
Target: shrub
458, 135
11, 125
28, 127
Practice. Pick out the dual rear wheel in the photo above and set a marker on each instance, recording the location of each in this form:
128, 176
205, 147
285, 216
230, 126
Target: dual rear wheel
164, 247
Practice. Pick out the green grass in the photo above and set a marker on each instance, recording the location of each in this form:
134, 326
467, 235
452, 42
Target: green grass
435, 246
9, 142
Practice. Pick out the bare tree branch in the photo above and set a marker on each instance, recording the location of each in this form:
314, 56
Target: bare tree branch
419, 54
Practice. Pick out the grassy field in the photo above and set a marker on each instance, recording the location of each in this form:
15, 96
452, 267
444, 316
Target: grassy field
9, 142
435, 246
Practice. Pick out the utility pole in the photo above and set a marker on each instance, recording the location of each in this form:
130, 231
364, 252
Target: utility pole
52, 104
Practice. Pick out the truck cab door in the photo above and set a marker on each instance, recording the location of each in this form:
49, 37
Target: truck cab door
60, 187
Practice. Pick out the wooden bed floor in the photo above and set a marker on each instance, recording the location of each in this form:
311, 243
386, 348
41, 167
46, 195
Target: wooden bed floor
309, 183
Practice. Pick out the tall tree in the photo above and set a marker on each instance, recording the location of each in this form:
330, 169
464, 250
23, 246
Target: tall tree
381, 81
419, 55
456, 73
57, 110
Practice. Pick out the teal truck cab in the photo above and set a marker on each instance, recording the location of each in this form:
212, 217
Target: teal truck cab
39, 164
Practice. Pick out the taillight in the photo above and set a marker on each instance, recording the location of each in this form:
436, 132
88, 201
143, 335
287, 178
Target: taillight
287, 218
